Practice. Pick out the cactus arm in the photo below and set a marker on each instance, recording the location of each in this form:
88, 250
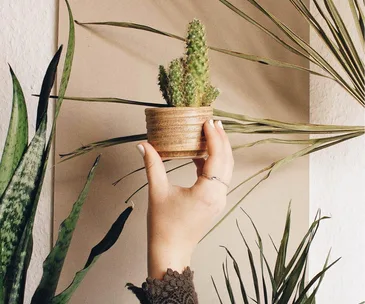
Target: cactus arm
163, 82
176, 83
197, 56
210, 94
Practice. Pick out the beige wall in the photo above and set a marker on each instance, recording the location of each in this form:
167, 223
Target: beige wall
123, 63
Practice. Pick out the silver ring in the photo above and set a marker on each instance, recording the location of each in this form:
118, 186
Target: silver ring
215, 178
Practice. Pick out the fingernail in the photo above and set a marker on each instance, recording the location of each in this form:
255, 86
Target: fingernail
211, 122
140, 149
220, 125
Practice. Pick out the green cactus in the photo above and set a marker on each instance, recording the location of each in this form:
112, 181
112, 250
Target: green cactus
186, 83
197, 56
191, 95
163, 82
210, 94
176, 83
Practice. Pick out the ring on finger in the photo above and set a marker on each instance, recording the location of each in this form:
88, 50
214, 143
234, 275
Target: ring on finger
212, 178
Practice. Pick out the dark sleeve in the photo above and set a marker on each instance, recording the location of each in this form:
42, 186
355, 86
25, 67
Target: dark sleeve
173, 288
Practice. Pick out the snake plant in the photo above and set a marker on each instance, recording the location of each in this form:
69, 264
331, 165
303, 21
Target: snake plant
22, 171
186, 82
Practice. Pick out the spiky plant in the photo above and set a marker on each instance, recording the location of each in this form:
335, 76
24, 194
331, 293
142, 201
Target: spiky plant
22, 171
288, 280
186, 83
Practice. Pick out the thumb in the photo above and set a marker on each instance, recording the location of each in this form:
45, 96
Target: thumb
155, 169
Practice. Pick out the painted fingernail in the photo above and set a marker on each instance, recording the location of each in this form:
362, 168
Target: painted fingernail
141, 150
220, 125
211, 122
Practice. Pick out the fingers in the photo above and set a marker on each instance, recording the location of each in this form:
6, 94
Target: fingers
199, 163
155, 169
220, 160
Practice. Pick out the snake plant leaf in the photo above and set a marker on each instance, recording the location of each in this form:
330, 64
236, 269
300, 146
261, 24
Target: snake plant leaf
238, 273
22, 258
67, 67
53, 264
17, 200
47, 85
17, 138
105, 244
281, 258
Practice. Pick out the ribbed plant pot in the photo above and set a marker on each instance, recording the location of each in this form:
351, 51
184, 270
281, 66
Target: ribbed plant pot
177, 132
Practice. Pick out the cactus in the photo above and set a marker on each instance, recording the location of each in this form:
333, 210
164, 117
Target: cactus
186, 82
176, 83
163, 82
197, 56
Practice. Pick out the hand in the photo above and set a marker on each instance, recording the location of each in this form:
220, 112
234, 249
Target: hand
179, 217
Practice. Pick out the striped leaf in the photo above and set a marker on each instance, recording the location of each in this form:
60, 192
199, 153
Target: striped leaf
18, 272
53, 264
17, 138
17, 200
104, 245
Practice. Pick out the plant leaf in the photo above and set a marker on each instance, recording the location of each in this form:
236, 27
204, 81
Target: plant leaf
253, 268
216, 290
238, 273
281, 258
115, 100
105, 244
46, 89
53, 264
103, 144
228, 282
17, 138
17, 200
258, 59
22, 258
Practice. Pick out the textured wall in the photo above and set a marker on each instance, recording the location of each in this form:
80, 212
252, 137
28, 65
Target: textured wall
27, 42
337, 177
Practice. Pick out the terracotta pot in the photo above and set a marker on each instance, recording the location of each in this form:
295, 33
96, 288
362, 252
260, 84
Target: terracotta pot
177, 132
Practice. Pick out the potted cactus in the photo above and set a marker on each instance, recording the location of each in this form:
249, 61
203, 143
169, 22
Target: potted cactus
176, 131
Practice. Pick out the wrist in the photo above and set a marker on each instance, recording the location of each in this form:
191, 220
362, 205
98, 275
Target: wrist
161, 257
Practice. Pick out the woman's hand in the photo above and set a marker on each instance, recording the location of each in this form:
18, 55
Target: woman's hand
179, 217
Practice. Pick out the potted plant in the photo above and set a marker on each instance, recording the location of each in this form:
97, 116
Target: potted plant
176, 131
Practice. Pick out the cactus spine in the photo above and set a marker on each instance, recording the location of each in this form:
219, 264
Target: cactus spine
186, 83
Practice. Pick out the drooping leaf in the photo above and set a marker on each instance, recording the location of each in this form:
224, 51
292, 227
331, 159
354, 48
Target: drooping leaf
249, 57
53, 264
105, 244
103, 144
17, 138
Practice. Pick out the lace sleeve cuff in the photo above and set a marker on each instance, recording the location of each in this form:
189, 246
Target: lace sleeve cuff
173, 288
